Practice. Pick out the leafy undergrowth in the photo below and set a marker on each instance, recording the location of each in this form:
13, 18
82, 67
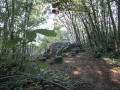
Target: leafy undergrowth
76, 73
80, 73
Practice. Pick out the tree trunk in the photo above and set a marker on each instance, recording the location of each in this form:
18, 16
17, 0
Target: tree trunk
119, 25
113, 25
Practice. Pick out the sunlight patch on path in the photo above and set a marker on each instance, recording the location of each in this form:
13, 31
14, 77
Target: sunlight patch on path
76, 73
70, 60
115, 70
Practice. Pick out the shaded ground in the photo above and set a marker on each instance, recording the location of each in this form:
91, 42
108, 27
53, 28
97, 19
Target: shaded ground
90, 73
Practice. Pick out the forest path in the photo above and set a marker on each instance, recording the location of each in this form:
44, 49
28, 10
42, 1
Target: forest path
90, 73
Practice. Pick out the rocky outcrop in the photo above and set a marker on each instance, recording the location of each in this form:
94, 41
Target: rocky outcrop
60, 48
56, 48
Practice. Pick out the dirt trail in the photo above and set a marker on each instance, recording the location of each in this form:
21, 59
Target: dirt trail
90, 74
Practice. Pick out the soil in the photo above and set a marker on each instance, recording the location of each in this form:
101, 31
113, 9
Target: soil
90, 73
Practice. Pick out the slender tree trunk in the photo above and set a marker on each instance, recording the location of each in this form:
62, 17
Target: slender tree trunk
95, 19
74, 28
103, 25
113, 25
119, 25
88, 34
12, 24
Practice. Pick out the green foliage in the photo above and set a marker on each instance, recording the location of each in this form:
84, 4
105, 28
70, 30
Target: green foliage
61, 78
19, 16
35, 68
29, 69
12, 43
41, 64
56, 4
30, 35
61, 36
46, 32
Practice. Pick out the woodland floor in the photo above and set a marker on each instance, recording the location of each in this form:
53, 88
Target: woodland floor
90, 73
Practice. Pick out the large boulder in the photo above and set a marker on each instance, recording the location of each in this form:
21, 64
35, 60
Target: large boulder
60, 48
56, 48
74, 47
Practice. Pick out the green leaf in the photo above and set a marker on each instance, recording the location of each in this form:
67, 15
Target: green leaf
46, 32
27, 62
31, 70
14, 69
12, 43
42, 64
30, 35
54, 5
